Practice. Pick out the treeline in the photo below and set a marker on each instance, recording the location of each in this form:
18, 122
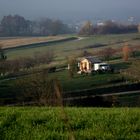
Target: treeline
107, 27
8, 67
19, 26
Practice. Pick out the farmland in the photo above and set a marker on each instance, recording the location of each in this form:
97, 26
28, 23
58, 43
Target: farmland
74, 48
79, 82
82, 123
18, 41
38, 123
80, 85
69, 70
98, 83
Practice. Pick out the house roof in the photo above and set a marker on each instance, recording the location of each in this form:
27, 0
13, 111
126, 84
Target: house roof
92, 59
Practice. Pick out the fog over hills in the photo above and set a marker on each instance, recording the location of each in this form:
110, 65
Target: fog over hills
73, 10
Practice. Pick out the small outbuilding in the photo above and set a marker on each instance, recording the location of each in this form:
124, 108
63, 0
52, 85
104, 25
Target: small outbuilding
89, 64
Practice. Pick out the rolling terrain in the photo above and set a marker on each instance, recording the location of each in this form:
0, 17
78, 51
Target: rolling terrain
76, 123
75, 47
81, 84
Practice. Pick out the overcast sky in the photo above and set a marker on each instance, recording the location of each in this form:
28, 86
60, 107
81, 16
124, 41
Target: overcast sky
72, 9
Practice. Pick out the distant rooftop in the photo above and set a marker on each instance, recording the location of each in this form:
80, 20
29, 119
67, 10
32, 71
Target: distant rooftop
92, 59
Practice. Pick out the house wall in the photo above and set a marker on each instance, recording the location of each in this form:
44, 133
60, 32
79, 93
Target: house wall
85, 65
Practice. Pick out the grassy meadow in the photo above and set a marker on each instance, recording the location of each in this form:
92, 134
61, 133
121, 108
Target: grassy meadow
44, 123
79, 82
74, 48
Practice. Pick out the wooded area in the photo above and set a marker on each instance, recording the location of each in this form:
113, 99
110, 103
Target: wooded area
107, 27
19, 26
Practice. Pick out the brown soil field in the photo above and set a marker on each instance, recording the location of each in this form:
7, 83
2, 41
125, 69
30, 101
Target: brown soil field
14, 42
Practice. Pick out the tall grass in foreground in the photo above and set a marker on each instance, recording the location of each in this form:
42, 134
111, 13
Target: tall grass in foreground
44, 123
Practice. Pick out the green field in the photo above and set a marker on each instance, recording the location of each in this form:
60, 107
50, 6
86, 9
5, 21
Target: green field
74, 48
34, 123
76, 86
70, 48
79, 82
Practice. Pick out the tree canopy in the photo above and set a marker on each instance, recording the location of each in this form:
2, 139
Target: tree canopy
87, 29
19, 26
107, 27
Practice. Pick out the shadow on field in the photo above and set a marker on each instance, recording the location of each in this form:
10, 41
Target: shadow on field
121, 65
96, 101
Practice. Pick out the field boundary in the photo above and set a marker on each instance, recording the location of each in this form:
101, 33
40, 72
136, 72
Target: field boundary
104, 95
40, 44
69, 99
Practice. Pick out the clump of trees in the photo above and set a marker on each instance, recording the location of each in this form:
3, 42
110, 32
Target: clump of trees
14, 26
85, 53
19, 26
20, 64
107, 53
108, 27
40, 89
87, 29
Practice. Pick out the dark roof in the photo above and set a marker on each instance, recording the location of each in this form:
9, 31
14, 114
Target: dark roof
93, 59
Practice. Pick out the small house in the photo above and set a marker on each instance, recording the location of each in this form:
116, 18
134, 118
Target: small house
89, 64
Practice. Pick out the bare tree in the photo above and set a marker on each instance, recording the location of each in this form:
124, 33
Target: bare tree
40, 89
87, 29
72, 66
126, 52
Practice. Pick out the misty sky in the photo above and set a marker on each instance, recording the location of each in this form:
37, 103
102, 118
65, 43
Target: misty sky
72, 9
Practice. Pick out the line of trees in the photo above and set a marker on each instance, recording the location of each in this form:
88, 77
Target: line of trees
19, 26
108, 27
107, 53
13, 66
